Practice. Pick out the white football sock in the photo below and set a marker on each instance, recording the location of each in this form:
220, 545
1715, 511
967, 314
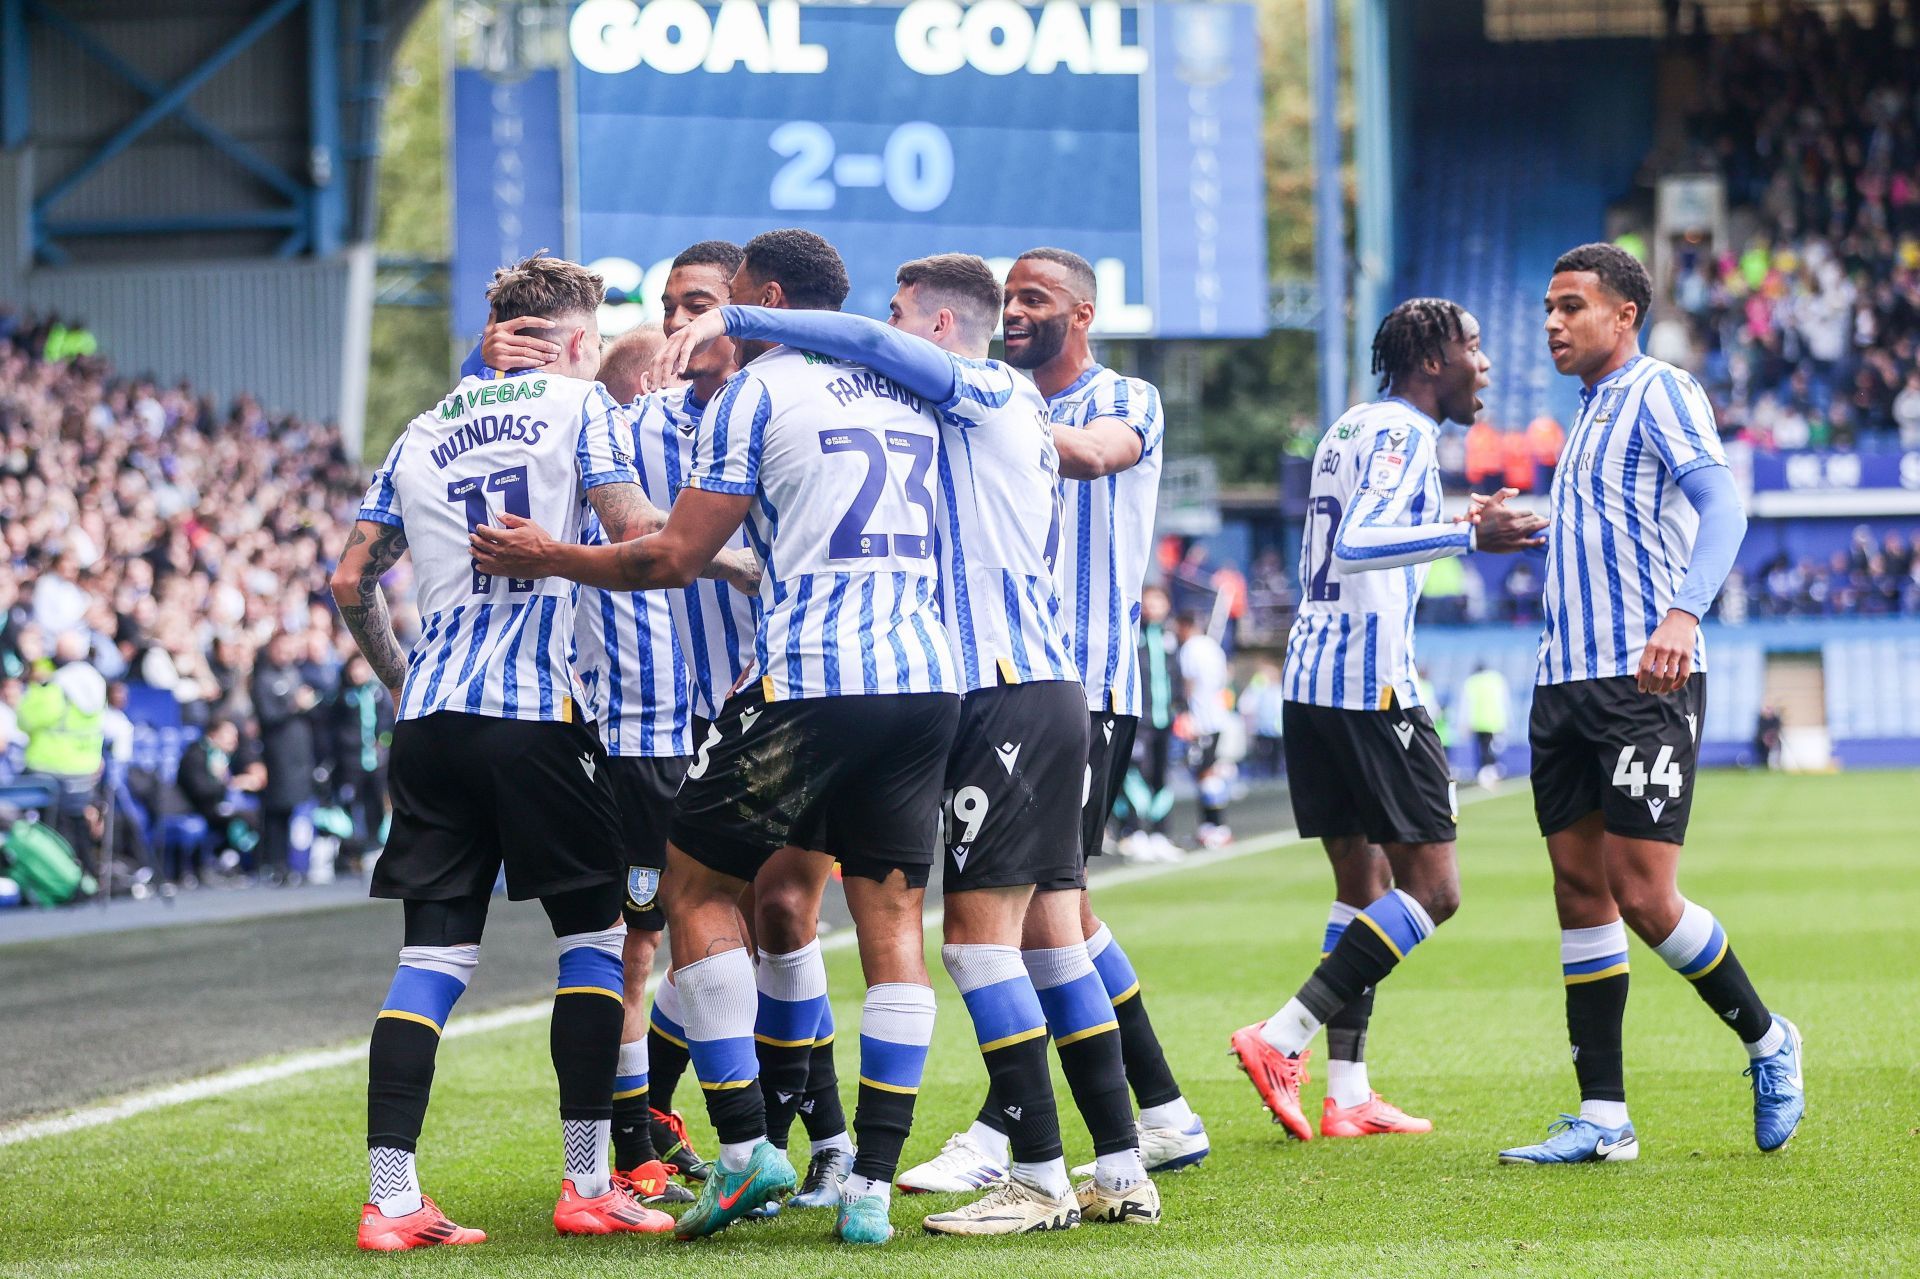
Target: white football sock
1050, 1178
856, 1188
393, 1186
1168, 1114
839, 1141
736, 1155
1291, 1029
585, 1141
1347, 1082
990, 1140
1119, 1170
1608, 1114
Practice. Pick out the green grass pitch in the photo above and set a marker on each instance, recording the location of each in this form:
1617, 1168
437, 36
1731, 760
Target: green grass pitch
1815, 879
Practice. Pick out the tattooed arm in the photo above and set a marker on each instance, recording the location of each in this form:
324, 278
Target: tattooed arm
370, 552
625, 512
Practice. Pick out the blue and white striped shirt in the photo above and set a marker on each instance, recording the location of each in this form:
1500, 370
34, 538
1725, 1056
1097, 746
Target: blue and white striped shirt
532, 446
999, 481
632, 666
1622, 531
1373, 526
839, 462
1106, 536
715, 622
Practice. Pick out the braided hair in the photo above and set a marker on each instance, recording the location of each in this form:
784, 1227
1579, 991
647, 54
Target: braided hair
1414, 332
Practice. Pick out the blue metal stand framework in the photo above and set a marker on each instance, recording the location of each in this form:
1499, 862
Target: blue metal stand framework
311, 208
1329, 223
14, 101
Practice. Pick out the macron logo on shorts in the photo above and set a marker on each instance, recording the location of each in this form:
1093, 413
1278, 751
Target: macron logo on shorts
1656, 806
1404, 731
747, 717
586, 766
1009, 753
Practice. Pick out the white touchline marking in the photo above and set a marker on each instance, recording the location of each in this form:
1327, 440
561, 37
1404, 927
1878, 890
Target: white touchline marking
240, 1077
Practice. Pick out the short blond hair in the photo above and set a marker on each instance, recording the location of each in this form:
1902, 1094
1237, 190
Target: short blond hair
626, 358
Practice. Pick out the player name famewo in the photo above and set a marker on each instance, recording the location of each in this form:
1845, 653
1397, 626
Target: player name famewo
858, 386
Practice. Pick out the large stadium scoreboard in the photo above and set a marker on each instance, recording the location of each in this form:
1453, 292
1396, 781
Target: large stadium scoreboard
1127, 133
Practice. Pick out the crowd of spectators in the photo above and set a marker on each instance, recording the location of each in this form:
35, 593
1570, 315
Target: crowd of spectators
1870, 578
180, 549
1807, 333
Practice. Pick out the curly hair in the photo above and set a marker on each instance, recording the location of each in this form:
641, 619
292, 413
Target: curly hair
1414, 332
807, 269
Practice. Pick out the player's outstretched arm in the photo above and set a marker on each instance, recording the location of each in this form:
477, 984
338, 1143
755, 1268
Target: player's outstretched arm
1105, 446
371, 550
1504, 529
913, 362
1123, 428
687, 546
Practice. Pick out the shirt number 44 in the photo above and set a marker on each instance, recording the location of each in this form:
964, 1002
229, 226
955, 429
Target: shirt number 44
1632, 776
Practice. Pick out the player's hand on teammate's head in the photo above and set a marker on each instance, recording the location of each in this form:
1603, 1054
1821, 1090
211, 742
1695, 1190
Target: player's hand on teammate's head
508, 345
670, 366
1667, 659
516, 547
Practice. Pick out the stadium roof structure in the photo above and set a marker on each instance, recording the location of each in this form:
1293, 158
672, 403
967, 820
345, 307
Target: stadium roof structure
195, 179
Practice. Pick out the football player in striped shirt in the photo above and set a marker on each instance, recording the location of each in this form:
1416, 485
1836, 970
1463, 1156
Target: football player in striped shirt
714, 624
1012, 818
1646, 524
1367, 772
841, 742
493, 761
1107, 429
635, 676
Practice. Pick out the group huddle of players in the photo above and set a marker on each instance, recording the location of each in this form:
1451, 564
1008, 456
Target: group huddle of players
703, 620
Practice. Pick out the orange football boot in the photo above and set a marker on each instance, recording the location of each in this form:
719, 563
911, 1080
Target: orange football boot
1277, 1077
614, 1213
1372, 1117
652, 1183
421, 1228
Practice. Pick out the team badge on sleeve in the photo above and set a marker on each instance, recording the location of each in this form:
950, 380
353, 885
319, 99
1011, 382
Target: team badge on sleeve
643, 882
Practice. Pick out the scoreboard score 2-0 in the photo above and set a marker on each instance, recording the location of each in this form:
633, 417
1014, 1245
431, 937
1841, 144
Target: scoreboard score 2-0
1127, 133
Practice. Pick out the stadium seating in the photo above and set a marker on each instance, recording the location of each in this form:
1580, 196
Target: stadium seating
1873, 687
1497, 197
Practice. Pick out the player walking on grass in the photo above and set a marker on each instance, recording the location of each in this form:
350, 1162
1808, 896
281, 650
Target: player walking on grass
1107, 431
1367, 772
1012, 800
840, 744
493, 761
1622, 694
712, 625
